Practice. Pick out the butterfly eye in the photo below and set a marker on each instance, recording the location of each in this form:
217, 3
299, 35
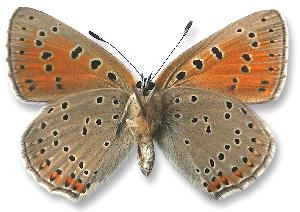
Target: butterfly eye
138, 84
151, 85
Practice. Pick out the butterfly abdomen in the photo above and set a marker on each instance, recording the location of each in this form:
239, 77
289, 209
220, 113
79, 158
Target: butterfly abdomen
144, 139
142, 119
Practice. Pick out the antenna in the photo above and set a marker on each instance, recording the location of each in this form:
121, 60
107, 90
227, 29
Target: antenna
186, 29
94, 35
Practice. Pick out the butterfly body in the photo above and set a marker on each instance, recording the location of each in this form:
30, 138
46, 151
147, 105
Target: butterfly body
142, 127
195, 111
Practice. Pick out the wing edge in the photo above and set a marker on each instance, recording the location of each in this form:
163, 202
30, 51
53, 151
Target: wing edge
257, 173
13, 84
285, 56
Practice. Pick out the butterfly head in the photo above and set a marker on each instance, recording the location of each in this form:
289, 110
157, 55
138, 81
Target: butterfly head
145, 85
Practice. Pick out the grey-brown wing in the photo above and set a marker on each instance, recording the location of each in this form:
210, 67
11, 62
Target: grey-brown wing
78, 141
217, 142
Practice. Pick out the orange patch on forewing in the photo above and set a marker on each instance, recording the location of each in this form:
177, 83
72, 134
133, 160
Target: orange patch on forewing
74, 75
63, 67
264, 61
218, 75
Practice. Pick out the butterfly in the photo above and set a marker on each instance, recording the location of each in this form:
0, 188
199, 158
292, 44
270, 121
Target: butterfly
195, 110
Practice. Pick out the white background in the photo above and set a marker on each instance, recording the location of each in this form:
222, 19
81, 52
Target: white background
146, 31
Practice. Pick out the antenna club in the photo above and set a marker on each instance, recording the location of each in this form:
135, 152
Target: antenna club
188, 26
94, 35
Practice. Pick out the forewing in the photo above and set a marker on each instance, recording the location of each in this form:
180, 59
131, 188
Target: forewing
78, 141
49, 59
217, 142
246, 60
